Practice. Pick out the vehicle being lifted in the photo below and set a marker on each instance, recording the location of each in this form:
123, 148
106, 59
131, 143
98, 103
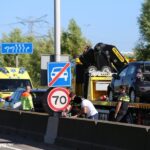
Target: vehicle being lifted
103, 55
136, 77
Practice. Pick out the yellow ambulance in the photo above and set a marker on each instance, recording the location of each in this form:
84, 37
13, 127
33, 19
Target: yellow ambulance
11, 79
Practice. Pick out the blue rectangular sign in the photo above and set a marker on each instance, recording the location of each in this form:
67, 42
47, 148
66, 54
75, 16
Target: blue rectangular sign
16, 48
59, 74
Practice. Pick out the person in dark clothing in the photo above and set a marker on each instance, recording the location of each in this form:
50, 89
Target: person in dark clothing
139, 75
122, 105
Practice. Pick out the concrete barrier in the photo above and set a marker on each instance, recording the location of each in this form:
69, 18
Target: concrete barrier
27, 124
91, 135
121, 136
148, 139
10, 119
77, 133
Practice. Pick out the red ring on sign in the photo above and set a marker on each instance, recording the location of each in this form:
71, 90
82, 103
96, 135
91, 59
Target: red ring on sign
50, 102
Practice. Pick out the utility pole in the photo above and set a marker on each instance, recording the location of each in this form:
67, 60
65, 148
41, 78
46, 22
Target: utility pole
57, 32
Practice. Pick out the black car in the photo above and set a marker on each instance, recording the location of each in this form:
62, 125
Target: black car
37, 96
136, 77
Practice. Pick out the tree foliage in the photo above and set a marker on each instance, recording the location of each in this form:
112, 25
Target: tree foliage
144, 21
72, 40
142, 49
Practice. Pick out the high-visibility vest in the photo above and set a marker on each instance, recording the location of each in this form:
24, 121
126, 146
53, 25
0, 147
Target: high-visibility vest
124, 98
26, 100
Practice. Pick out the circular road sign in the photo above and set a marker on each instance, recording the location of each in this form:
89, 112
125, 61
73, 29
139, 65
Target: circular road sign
58, 99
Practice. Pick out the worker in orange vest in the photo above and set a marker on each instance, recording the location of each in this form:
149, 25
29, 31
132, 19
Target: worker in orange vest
26, 100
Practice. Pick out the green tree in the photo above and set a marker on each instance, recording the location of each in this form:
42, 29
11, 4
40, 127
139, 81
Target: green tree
142, 49
41, 46
72, 40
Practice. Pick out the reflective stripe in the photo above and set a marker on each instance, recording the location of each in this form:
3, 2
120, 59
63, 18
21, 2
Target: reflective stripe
125, 98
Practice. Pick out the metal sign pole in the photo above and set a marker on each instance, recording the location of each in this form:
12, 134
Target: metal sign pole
57, 32
17, 62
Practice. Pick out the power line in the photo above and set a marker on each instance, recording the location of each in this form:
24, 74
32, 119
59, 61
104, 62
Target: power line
31, 22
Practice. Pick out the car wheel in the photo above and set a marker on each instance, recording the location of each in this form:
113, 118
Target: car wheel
110, 95
132, 96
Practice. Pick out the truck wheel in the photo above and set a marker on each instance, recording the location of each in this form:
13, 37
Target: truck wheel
110, 95
132, 96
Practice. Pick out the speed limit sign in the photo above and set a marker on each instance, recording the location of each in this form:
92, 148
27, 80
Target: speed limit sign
58, 99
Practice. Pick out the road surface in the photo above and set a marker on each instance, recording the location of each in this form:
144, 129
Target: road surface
14, 142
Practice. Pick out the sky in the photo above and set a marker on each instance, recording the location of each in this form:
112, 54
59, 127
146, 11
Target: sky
107, 21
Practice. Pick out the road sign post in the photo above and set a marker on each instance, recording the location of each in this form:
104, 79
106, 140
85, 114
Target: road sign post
17, 62
58, 99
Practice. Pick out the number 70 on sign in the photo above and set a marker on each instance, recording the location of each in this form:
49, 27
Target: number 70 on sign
58, 99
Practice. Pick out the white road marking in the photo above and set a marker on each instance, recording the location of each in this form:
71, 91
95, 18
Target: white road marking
9, 146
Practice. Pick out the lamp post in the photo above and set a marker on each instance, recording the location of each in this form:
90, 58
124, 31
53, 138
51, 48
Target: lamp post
57, 32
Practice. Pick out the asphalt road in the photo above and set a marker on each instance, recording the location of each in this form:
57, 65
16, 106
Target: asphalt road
12, 142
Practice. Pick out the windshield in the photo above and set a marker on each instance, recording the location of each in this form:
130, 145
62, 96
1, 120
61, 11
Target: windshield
12, 84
